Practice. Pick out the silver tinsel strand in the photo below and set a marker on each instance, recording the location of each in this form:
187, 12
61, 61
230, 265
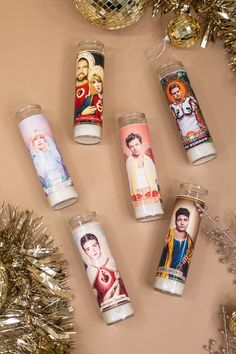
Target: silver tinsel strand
226, 246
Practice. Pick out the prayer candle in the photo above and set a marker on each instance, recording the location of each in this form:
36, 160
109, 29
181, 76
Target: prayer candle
89, 82
103, 274
186, 112
140, 166
52, 172
180, 240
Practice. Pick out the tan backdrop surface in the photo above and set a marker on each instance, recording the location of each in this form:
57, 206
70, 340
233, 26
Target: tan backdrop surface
38, 49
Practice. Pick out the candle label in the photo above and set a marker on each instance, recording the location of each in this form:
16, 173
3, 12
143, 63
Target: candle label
179, 243
100, 266
44, 152
89, 88
141, 170
185, 109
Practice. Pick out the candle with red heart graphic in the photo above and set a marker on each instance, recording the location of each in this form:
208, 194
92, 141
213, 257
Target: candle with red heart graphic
101, 268
88, 113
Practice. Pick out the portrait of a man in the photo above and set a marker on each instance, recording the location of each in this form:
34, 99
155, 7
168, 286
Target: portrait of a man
82, 95
141, 170
101, 269
185, 110
178, 248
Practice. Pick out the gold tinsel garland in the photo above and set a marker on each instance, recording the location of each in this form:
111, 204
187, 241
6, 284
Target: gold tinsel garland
35, 315
218, 20
225, 241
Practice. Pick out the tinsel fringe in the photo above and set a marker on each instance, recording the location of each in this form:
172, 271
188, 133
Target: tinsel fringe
35, 314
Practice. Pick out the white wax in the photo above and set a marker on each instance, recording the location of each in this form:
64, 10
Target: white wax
87, 134
149, 212
168, 286
62, 198
121, 311
201, 153
117, 314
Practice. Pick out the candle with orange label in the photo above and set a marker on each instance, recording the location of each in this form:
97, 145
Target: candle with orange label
186, 112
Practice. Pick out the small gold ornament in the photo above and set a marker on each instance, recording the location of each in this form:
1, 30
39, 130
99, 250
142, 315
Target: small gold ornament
111, 14
183, 31
232, 323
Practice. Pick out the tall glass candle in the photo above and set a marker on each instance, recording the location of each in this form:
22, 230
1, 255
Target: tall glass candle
53, 175
89, 82
140, 166
180, 240
186, 112
101, 268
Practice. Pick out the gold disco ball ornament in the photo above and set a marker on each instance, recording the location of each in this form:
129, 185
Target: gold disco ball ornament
183, 31
111, 14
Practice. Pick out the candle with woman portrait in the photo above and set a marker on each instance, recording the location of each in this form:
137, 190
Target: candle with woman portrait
47, 160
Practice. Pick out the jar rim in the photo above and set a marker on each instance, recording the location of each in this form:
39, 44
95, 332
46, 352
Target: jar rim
194, 188
26, 107
131, 115
90, 41
82, 218
169, 64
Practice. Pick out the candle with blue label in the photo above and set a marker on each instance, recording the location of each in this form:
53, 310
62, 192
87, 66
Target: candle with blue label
46, 157
180, 240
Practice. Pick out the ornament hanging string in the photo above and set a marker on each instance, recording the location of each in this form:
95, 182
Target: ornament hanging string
218, 20
156, 52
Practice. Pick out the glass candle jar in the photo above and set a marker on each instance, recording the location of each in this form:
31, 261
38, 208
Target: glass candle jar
180, 240
89, 82
101, 268
186, 112
53, 175
140, 166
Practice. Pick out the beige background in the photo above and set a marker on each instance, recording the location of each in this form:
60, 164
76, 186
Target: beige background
38, 48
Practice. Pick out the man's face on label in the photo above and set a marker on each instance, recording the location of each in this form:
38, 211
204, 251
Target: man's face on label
82, 70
